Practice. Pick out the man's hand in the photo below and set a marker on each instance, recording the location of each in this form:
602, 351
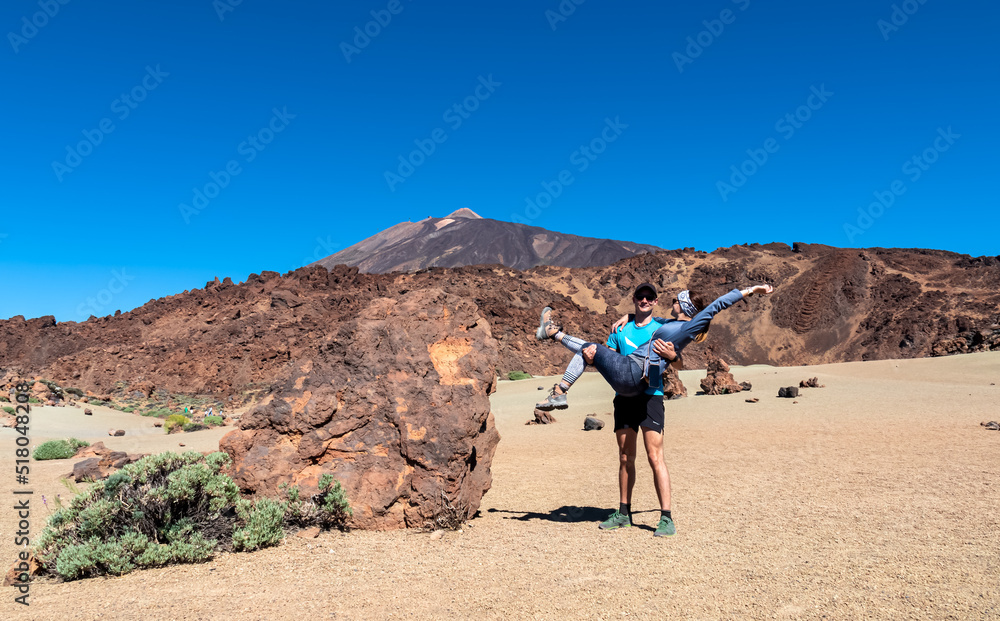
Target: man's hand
665, 349
588, 353
618, 325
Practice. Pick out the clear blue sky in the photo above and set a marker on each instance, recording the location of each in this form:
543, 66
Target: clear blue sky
152, 146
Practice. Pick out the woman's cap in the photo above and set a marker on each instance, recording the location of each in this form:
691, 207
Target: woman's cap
647, 286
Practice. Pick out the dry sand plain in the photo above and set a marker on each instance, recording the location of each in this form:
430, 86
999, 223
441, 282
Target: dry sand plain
875, 497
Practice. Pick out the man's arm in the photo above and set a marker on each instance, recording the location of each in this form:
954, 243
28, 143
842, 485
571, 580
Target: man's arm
665, 349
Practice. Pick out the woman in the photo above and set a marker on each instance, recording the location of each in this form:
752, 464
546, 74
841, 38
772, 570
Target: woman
628, 375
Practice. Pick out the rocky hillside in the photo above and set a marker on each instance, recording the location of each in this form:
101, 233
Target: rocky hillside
830, 305
465, 238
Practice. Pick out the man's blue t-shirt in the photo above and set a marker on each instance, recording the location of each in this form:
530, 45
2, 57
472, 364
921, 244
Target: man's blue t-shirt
630, 338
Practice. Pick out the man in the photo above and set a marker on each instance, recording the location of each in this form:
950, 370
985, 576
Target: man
643, 413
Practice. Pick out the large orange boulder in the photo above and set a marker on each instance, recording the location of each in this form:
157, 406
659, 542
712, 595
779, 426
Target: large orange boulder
394, 404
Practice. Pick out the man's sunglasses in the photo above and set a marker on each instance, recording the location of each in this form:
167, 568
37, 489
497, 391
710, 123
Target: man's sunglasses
639, 298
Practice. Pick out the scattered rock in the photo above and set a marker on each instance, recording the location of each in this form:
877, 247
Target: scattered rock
97, 449
181, 444
754, 400
592, 424
437, 534
88, 411
811, 383
158, 423
541, 388
308, 533
673, 387
30, 567
992, 425
542, 418
97, 468
788, 392
719, 381
119, 432
794, 402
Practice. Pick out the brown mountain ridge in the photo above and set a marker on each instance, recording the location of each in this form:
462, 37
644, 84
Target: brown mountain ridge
830, 305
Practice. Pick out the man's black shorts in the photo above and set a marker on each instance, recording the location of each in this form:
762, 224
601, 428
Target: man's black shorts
639, 411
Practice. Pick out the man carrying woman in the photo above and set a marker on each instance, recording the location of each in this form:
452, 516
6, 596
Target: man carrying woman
633, 363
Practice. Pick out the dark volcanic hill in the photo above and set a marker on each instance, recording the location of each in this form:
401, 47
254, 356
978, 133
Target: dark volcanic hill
465, 238
830, 305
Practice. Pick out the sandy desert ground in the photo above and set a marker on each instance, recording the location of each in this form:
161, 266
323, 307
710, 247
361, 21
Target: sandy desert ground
874, 497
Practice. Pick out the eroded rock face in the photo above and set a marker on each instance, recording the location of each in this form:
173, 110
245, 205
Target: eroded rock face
395, 405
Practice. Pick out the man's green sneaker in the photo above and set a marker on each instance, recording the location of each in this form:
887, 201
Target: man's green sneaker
616, 520
665, 528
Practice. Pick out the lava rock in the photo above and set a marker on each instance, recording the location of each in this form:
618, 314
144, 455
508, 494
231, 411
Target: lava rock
789, 392
719, 381
592, 424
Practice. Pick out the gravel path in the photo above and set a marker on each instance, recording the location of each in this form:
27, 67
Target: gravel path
875, 497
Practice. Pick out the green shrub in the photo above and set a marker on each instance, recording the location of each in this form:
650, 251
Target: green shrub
194, 427
58, 449
8, 409
328, 509
175, 420
159, 413
263, 523
74, 391
171, 508
97, 402
33, 400
213, 420
129, 409
518, 375
4, 399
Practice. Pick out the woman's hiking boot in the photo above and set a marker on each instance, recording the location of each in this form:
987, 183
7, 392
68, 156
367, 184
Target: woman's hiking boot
555, 401
545, 325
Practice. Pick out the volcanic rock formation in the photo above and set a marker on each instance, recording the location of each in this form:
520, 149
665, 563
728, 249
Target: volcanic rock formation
719, 380
394, 404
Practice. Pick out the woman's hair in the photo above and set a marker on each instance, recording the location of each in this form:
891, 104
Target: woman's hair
698, 299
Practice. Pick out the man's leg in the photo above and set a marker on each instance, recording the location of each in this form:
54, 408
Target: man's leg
626, 439
653, 441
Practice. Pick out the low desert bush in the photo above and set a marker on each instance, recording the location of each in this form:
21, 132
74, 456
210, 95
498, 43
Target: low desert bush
4, 399
159, 413
74, 391
213, 420
8, 409
328, 509
171, 508
33, 400
58, 449
518, 375
175, 420
194, 427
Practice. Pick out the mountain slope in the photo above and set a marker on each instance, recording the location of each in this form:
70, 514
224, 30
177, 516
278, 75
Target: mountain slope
465, 238
830, 305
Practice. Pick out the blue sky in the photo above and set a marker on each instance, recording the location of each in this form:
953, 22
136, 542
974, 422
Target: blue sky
152, 146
